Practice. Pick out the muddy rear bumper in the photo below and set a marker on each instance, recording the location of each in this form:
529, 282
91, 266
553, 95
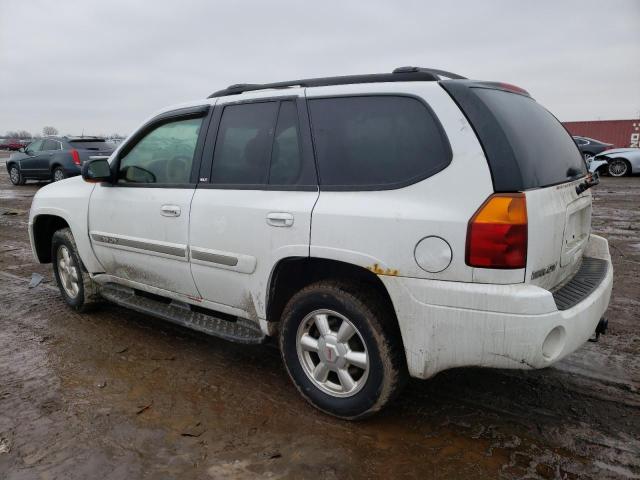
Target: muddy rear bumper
452, 324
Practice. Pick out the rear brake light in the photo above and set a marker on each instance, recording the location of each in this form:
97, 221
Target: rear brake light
497, 233
508, 87
76, 156
514, 88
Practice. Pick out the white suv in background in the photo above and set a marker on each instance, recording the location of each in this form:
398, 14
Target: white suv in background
379, 226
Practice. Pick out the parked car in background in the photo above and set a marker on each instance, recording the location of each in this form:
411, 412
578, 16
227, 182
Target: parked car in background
600, 166
621, 161
12, 144
54, 158
379, 226
590, 147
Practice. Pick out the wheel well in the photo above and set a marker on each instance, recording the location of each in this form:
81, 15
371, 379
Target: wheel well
293, 274
625, 161
44, 226
603, 168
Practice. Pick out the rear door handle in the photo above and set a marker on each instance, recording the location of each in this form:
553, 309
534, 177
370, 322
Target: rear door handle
280, 219
170, 211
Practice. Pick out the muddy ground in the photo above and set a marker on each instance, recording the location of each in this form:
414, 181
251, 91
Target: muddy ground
119, 395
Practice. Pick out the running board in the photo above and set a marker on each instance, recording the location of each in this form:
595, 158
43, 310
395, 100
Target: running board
234, 329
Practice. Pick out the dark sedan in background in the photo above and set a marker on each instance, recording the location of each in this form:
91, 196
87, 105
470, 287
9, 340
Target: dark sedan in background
590, 147
54, 158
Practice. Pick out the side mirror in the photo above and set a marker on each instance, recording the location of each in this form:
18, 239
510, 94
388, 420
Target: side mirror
96, 170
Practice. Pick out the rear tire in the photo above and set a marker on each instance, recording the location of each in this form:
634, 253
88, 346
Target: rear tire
76, 287
341, 347
15, 175
618, 167
58, 174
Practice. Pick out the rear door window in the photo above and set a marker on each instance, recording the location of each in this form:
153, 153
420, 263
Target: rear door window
243, 148
258, 146
543, 150
286, 167
371, 142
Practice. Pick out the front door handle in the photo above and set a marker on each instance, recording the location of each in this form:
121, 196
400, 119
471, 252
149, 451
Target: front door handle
170, 211
280, 219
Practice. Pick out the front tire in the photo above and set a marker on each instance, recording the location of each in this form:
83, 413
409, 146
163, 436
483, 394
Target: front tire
618, 167
15, 175
341, 347
76, 287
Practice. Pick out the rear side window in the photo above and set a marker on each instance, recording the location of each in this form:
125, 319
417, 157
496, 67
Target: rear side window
545, 152
370, 142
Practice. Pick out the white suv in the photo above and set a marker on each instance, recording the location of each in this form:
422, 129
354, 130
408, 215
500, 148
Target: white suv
379, 226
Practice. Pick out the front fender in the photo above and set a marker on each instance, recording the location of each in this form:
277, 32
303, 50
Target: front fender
69, 200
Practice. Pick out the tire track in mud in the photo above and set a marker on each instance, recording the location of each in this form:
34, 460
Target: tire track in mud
482, 422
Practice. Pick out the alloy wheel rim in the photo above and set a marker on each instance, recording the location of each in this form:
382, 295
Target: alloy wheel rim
332, 353
58, 175
14, 175
618, 168
68, 272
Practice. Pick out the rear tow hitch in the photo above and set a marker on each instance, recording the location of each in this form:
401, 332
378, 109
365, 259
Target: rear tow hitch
600, 329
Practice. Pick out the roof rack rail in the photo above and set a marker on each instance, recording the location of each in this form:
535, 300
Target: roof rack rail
435, 71
401, 74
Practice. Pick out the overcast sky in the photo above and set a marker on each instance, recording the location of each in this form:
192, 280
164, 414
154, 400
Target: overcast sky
102, 66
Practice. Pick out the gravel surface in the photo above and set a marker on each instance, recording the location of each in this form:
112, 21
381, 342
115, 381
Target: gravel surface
119, 395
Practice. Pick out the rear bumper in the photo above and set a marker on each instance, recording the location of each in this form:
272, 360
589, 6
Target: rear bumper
452, 324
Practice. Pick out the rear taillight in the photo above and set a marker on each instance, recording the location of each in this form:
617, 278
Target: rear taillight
497, 233
75, 156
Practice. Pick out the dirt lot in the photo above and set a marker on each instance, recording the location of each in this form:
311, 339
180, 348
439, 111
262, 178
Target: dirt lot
118, 395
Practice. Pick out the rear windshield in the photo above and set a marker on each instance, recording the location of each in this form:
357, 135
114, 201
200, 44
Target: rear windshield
544, 151
97, 144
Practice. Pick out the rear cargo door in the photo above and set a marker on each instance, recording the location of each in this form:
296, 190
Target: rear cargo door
529, 150
559, 226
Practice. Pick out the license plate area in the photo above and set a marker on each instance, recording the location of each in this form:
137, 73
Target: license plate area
576, 230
